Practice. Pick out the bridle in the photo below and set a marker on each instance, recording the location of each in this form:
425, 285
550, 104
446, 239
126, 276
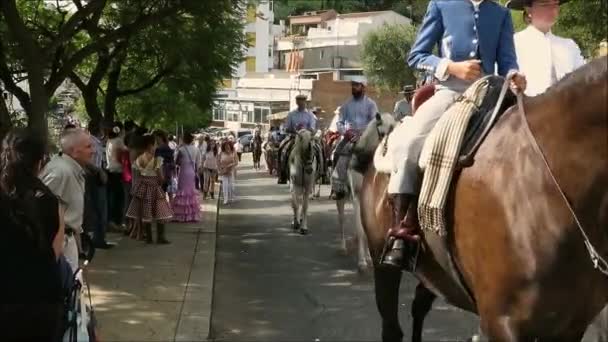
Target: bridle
599, 263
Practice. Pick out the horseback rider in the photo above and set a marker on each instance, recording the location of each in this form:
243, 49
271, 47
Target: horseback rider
542, 56
353, 117
300, 118
473, 36
403, 107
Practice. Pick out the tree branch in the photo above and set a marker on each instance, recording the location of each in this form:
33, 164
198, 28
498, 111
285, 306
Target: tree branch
123, 32
71, 26
9, 83
157, 78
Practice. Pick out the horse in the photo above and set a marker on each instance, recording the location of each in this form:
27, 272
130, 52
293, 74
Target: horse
302, 175
256, 151
270, 155
524, 220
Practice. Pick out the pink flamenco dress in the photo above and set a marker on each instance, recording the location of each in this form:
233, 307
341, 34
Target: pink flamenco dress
186, 207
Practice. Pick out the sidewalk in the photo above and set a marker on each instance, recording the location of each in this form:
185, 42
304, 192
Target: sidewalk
157, 292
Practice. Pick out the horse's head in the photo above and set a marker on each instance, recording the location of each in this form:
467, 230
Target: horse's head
303, 149
381, 126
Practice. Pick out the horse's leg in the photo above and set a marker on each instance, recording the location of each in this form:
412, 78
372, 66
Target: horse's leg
500, 328
422, 304
295, 224
304, 211
387, 283
340, 207
363, 255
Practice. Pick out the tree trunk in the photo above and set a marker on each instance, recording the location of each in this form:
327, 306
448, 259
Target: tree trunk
92, 106
37, 115
5, 117
112, 91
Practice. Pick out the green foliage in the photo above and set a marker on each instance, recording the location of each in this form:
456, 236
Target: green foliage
384, 54
585, 21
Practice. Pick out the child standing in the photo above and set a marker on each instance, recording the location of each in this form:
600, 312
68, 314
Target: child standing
149, 202
226, 165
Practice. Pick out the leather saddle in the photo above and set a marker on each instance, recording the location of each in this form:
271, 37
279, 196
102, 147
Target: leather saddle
483, 120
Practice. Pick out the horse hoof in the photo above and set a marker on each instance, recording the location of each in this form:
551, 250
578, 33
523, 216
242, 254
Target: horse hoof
303, 231
362, 267
295, 225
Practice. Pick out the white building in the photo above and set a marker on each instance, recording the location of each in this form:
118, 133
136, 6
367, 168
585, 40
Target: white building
326, 41
260, 32
258, 95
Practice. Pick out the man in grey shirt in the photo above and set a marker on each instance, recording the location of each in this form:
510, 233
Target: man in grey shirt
353, 117
296, 119
403, 107
64, 175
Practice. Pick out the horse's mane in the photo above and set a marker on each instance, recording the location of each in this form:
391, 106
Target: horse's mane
578, 82
363, 152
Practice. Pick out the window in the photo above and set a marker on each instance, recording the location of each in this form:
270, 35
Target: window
321, 54
250, 64
250, 39
251, 12
218, 114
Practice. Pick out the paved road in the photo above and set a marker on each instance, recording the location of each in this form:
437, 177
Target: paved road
274, 285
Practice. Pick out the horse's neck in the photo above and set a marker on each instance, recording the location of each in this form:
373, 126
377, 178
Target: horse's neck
571, 133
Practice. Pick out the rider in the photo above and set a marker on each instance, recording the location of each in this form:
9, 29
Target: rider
544, 57
353, 117
403, 107
296, 119
473, 37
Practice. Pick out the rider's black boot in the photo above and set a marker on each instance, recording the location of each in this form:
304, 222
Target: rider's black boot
402, 245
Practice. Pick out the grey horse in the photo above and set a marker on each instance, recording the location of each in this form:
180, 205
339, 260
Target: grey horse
302, 177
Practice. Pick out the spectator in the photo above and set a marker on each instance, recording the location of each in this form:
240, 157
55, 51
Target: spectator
226, 165
30, 290
172, 142
167, 154
238, 147
186, 207
203, 141
149, 203
210, 169
116, 192
96, 180
64, 176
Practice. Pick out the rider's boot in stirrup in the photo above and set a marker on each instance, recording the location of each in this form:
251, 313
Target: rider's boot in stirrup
401, 247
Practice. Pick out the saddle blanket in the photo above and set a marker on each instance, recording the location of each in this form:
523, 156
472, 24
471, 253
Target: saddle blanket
440, 155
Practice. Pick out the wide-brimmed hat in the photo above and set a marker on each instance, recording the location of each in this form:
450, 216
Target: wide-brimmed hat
317, 110
520, 4
407, 89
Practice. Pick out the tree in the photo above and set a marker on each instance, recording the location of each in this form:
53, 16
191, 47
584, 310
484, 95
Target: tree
384, 56
171, 52
45, 43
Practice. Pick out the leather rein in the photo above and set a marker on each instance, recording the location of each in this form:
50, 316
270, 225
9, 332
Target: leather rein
599, 263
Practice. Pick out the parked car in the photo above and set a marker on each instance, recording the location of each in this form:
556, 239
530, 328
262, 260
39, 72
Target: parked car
246, 141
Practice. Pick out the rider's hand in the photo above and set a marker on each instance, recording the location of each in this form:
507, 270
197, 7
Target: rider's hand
467, 70
518, 83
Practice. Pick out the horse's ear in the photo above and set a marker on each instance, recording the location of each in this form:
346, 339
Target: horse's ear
378, 117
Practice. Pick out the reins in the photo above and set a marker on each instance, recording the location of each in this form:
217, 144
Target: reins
599, 263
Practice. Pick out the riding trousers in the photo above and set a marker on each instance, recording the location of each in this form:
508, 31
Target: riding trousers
406, 179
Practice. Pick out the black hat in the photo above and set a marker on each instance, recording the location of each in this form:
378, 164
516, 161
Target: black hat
520, 4
407, 89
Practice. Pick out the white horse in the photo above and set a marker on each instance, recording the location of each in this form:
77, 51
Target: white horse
302, 176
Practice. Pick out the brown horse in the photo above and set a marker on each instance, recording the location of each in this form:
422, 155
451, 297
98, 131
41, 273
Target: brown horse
515, 242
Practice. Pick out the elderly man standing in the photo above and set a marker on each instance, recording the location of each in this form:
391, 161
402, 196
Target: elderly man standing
65, 176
